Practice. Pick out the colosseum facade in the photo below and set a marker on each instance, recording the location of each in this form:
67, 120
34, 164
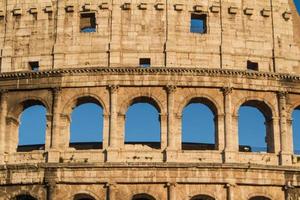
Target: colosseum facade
63, 53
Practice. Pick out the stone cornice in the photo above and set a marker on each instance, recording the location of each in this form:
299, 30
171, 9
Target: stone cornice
149, 71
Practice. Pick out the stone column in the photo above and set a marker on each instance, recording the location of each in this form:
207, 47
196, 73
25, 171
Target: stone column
113, 138
231, 146
113, 131
53, 154
230, 193
51, 190
171, 137
171, 191
285, 146
111, 193
3, 113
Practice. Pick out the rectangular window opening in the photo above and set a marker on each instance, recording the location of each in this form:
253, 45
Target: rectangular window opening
34, 66
198, 23
87, 22
252, 65
145, 62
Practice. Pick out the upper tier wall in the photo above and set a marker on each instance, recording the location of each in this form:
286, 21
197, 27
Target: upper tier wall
237, 30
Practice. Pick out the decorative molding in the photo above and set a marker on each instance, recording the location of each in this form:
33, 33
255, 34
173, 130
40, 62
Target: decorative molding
148, 71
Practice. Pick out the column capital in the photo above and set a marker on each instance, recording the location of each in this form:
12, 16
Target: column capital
170, 88
113, 88
111, 185
226, 90
171, 184
282, 94
56, 90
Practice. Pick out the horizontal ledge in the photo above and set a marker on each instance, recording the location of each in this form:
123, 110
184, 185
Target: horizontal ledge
148, 71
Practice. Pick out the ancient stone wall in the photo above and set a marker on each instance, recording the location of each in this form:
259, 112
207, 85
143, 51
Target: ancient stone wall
237, 31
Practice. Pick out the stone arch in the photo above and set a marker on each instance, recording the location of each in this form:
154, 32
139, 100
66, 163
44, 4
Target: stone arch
211, 105
262, 104
16, 110
65, 118
268, 111
215, 109
82, 98
202, 197
19, 195
259, 197
83, 196
291, 127
201, 98
13, 122
140, 98
142, 196
155, 105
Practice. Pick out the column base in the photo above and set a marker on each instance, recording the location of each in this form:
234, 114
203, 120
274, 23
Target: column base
53, 156
112, 155
229, 156
285, 158
171, 155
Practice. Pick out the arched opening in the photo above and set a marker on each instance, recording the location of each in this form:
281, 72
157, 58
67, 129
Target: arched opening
143, 197
142, 124
255, 127
202, 197
32, 127
83, 196
296, 130
24, 197
259, 198
86, 129
199, 125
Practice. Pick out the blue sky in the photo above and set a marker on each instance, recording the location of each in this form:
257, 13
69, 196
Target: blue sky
297, 2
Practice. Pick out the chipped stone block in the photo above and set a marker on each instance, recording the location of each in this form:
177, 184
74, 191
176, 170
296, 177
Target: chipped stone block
198, 8
143, 6
33, 10
178, 7
215, 9
159, 6
248, 11
70, 8
287, 15
104, 6
233, 10
48, 9
17, 11
266, 12
126, 6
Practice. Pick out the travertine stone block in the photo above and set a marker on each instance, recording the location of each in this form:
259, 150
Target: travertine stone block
17, 11
215, 9
69, 8
178, 7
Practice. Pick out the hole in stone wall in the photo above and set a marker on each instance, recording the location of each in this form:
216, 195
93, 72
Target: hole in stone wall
198, 23
32, 129
198, 127
296, 130
34, 66
86, 127
252, 65
145, 62
252, 138
83, 197
87, 22
142, 125
24, 197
